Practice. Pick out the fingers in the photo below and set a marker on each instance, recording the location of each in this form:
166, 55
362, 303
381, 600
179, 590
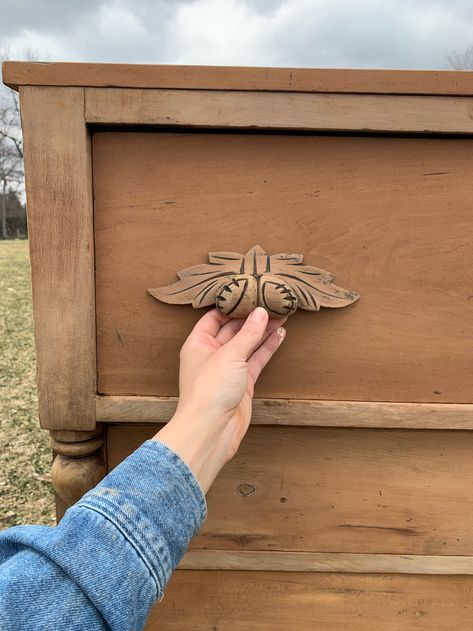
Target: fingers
263, 354
210, 323
250, 336
230, 329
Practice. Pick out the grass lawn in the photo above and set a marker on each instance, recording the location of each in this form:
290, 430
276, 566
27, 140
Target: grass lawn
26, 494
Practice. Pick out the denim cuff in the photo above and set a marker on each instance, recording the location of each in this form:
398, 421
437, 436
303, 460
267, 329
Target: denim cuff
156, 502
122, 540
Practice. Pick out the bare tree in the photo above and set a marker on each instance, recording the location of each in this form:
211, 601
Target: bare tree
10, 126
11, 142
461, 60
11, 151
11, 176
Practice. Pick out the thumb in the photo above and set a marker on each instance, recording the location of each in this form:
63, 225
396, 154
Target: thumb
250, 336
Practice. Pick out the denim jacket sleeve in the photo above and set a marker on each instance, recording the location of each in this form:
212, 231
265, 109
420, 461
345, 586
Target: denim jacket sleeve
110, 558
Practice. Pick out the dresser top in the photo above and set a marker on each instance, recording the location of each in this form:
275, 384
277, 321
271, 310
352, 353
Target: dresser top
441, 82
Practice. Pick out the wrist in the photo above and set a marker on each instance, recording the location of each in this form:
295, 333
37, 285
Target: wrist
199, 442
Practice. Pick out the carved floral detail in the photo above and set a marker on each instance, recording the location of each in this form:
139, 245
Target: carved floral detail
237, 283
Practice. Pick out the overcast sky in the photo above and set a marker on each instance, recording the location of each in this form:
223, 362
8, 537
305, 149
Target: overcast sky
306, 33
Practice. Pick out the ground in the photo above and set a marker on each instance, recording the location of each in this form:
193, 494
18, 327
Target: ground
26, 494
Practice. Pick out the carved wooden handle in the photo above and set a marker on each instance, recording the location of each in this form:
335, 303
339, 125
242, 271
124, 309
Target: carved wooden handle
237, 283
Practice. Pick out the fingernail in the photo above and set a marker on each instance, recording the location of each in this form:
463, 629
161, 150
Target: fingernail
258, 315
281, 334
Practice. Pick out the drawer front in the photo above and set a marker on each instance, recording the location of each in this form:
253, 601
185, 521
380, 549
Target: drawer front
346, 490
299, 601
347, 497
390, 217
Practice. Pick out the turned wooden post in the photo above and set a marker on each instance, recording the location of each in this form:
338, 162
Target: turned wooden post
78, 464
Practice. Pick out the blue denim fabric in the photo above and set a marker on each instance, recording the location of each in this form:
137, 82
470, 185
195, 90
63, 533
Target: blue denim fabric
110, 558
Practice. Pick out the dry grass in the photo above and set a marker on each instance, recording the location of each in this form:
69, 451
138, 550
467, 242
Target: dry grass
25, 459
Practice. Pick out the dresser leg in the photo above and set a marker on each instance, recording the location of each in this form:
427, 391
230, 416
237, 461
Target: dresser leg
78, 464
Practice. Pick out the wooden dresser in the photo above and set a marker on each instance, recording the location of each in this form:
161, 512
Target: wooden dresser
350, 503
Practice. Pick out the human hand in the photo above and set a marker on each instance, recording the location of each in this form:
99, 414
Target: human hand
220, 363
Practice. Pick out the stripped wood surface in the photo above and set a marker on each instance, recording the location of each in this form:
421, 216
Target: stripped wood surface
342, 521
17, 73
390, 217
299, 601
377, 414
60, 228
275, 561
359, 491
279, 110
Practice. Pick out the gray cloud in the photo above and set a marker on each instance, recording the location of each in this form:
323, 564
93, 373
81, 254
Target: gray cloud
46, 16
323, 33
374, 34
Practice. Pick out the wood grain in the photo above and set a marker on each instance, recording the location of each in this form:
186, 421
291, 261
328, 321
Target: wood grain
122, 409
326, 562
60, 228
279, 110
107, 75
390, 217
296, 601
336, 490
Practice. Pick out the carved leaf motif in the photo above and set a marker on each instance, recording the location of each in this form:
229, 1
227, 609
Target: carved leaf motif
201, 284
198, 284
312, 285
314, 294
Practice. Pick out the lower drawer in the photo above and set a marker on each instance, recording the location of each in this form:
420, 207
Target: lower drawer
300, 601
383, 519
336, 490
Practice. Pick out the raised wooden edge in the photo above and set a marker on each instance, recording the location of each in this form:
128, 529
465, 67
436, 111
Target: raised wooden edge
129, 409
325, 562
374, 81
363, 113
61, 242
